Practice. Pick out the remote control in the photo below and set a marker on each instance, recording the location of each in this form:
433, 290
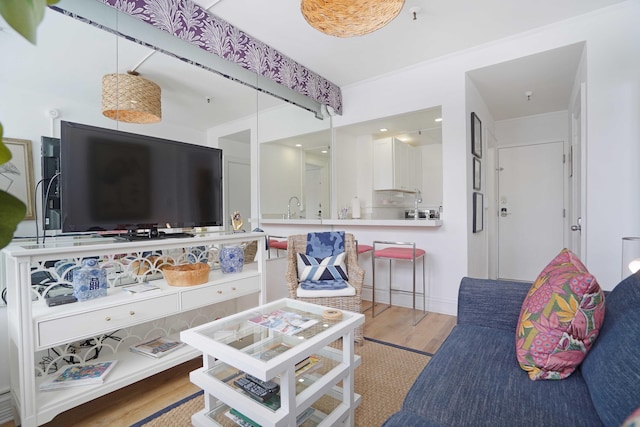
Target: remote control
256, 391
270, 386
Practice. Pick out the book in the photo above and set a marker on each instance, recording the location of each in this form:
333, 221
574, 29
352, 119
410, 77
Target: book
283, 321
157, 347
242, 420
273, 351
77, 375
314, 362
142, 287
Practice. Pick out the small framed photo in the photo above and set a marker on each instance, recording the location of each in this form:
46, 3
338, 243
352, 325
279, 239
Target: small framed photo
476, 136
16, 176
477, 174
478, 209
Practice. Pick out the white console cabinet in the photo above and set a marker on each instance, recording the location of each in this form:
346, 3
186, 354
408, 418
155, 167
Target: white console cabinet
43, 338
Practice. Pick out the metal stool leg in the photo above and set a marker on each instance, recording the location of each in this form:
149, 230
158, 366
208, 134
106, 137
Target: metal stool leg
423, 313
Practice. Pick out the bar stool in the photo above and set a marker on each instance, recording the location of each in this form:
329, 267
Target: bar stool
363, 249
401, 251
278, 245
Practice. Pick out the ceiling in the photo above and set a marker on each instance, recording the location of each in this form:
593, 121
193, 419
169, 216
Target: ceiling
200, 99
441, 27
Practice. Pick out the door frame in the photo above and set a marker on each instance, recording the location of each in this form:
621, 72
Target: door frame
579, 105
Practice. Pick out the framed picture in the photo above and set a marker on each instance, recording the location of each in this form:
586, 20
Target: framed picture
16, 176
478, 209
477, 176
476, 136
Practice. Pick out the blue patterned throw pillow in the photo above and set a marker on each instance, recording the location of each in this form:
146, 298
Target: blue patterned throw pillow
316, 269
325, 243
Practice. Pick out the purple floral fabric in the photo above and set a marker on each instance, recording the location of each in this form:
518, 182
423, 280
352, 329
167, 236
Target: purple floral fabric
188, 21
560, 319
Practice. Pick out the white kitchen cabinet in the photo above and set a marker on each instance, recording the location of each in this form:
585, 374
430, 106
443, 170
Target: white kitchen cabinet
43, 339
395, 165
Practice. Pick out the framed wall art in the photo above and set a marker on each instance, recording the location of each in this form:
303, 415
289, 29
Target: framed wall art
16, 176
477, 174
478, 212
476, 136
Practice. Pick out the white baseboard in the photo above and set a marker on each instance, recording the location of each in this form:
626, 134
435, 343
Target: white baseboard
404, 299
6, 409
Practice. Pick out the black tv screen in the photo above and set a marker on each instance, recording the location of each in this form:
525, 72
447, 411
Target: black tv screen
113, 180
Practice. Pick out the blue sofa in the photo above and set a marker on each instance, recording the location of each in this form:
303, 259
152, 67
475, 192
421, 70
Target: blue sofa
474, 378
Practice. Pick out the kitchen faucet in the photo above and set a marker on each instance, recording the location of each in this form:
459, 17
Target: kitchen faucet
417, 201
289, 205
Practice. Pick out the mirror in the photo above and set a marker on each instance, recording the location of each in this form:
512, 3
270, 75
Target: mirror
295, 162
198, 106
357, 170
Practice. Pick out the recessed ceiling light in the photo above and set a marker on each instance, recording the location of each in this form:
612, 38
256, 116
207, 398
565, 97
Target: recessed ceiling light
439, 119
298, 145
324, 151
383, 129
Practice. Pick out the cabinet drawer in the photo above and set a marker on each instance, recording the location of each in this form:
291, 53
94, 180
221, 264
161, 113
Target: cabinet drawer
73, 327
206, 295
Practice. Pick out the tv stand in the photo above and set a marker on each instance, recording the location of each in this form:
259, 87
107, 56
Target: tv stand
36, 331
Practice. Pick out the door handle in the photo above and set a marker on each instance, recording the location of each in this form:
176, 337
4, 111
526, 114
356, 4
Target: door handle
503, 212
578, 226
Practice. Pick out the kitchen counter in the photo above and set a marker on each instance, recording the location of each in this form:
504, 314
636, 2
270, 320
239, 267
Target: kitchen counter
357, 222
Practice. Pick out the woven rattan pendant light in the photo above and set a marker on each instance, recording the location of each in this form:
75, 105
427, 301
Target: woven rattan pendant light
131, 98
348, 18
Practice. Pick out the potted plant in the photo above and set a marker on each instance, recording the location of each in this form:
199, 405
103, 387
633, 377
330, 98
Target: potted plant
24, 16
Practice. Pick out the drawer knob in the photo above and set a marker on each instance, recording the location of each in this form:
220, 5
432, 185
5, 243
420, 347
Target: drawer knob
219, 291
108, 319
132, 313
233, 289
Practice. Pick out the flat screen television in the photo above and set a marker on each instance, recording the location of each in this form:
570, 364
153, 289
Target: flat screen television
112, 180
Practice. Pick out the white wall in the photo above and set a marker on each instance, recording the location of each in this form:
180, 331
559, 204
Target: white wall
613, 135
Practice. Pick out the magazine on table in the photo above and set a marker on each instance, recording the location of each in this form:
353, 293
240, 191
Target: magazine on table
283, 321
76, 375
157, 347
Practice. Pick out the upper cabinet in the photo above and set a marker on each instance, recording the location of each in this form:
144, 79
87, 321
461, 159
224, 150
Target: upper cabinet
395, 165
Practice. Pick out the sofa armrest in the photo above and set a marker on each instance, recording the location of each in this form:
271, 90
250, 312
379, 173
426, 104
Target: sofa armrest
491, 303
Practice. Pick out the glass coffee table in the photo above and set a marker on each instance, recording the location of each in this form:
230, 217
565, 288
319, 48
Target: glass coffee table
285, 363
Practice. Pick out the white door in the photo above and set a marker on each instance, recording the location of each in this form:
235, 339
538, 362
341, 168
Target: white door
313, 186
530, 208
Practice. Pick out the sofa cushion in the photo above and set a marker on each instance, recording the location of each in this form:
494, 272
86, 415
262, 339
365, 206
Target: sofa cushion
611, 367
560, 319
474, 380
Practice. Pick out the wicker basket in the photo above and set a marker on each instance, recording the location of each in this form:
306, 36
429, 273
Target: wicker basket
250, 251
186, 274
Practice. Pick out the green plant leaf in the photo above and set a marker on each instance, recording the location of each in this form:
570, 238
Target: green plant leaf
5, 154
12, 211
24, 16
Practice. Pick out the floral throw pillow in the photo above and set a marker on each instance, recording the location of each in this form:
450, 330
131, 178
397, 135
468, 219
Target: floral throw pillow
560, 319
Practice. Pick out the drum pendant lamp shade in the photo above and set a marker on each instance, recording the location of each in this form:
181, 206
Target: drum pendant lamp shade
348, 18
130, 98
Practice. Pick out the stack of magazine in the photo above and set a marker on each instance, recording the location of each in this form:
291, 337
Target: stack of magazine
157, 347
76, 375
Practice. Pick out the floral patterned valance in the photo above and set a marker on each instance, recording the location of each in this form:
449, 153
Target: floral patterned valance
188, 21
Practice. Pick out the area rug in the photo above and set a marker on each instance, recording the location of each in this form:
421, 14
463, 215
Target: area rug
383, 378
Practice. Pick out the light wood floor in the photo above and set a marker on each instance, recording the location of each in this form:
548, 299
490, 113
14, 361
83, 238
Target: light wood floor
137, 401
